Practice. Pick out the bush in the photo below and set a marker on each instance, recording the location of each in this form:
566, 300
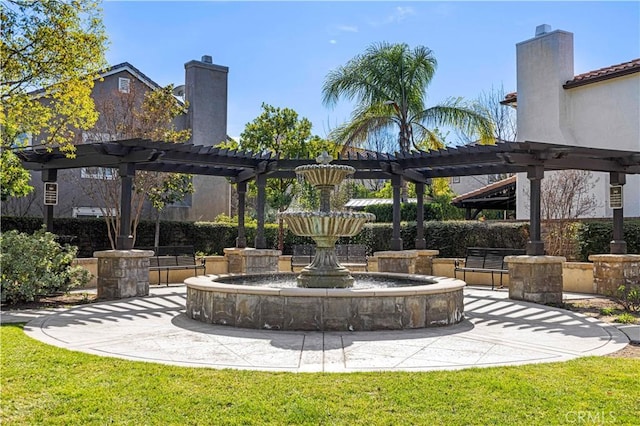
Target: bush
36, 265
629, 297
594, 237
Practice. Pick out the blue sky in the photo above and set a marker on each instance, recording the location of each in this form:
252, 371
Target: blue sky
280, 52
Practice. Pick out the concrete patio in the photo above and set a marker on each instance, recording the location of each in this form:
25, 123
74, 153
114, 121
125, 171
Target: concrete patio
496, 332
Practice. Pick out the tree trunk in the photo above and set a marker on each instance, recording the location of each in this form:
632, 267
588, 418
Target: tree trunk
156, 237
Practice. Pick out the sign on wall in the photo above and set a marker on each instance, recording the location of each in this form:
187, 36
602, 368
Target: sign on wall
50, 194
615, 196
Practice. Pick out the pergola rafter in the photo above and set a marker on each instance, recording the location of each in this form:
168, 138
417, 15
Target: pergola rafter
416, 166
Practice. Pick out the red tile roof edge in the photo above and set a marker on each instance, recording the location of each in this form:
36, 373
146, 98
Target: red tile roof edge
594, 76
606, 73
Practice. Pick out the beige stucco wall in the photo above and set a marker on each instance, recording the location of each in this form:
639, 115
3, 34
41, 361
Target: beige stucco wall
577, 276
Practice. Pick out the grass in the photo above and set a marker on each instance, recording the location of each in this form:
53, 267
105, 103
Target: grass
42, 384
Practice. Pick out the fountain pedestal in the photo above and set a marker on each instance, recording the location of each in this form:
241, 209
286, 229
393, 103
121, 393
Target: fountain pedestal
325, 271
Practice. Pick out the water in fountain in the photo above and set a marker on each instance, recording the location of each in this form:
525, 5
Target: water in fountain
325, 226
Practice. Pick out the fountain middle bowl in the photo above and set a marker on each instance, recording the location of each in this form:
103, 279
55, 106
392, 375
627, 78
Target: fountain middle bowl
414, 301
333, 223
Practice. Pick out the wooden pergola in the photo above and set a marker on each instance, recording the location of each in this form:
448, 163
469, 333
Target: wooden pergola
419, 167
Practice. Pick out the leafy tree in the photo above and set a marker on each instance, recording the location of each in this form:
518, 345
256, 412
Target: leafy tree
14, 179
58, 48
389, 83
503, 118
173, 188
124, 116
279, 131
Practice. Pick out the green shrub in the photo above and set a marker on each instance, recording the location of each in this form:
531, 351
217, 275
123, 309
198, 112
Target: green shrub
629, 297
36, 265
450, 237
408, 212
594, 237
626, 318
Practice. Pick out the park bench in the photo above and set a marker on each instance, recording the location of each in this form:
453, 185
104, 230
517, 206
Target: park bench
347, 254
172, 258
485, 260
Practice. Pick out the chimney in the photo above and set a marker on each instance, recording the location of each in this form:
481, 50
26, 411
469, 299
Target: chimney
542, 29
206, 93
544, 64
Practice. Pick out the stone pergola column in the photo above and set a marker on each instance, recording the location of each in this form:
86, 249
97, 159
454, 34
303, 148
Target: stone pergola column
420, 241
49, 175
535, 246
396, 240
260, 241
124, 241
241, 240
618, 245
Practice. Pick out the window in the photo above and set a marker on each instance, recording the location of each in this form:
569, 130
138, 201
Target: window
124, 84
91, 212
102, 173
93, 137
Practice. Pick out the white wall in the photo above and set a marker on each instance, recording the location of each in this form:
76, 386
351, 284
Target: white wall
597, 115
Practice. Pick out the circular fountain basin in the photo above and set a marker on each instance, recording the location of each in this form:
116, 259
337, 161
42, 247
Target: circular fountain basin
411, 301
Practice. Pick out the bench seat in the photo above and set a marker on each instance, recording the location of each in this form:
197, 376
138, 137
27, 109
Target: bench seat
485, 260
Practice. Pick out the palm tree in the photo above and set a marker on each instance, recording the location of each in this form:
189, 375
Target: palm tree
388, 83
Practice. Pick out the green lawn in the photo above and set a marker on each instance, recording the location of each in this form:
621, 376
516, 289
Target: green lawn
43, 384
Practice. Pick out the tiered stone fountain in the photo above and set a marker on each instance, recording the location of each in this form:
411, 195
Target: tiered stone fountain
325, 296
325, 226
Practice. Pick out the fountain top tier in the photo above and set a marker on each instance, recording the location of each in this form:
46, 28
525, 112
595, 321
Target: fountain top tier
323, 173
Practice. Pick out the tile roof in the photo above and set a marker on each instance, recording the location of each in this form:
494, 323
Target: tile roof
594, 76
606, 73
491, 188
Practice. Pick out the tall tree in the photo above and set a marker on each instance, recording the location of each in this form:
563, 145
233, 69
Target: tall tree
502, 117
280, 132
135, 115
50, 55
388, 82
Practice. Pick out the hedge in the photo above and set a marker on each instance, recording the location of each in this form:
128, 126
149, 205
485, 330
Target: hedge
595, 236
451, 237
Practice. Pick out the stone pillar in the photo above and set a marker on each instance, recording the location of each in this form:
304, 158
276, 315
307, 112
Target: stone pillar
123, 273
535, 279
424, 261
613, 270
252, 261
401, 262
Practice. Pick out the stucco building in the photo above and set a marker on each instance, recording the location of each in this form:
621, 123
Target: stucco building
118, 89
597, 109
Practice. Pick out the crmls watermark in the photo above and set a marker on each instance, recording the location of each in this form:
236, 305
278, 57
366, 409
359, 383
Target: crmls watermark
591, 417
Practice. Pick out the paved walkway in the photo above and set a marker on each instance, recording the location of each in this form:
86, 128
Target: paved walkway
497, 331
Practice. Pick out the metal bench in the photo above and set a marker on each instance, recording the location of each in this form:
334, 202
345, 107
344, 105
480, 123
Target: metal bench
487, 260
171, 258
347, 254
